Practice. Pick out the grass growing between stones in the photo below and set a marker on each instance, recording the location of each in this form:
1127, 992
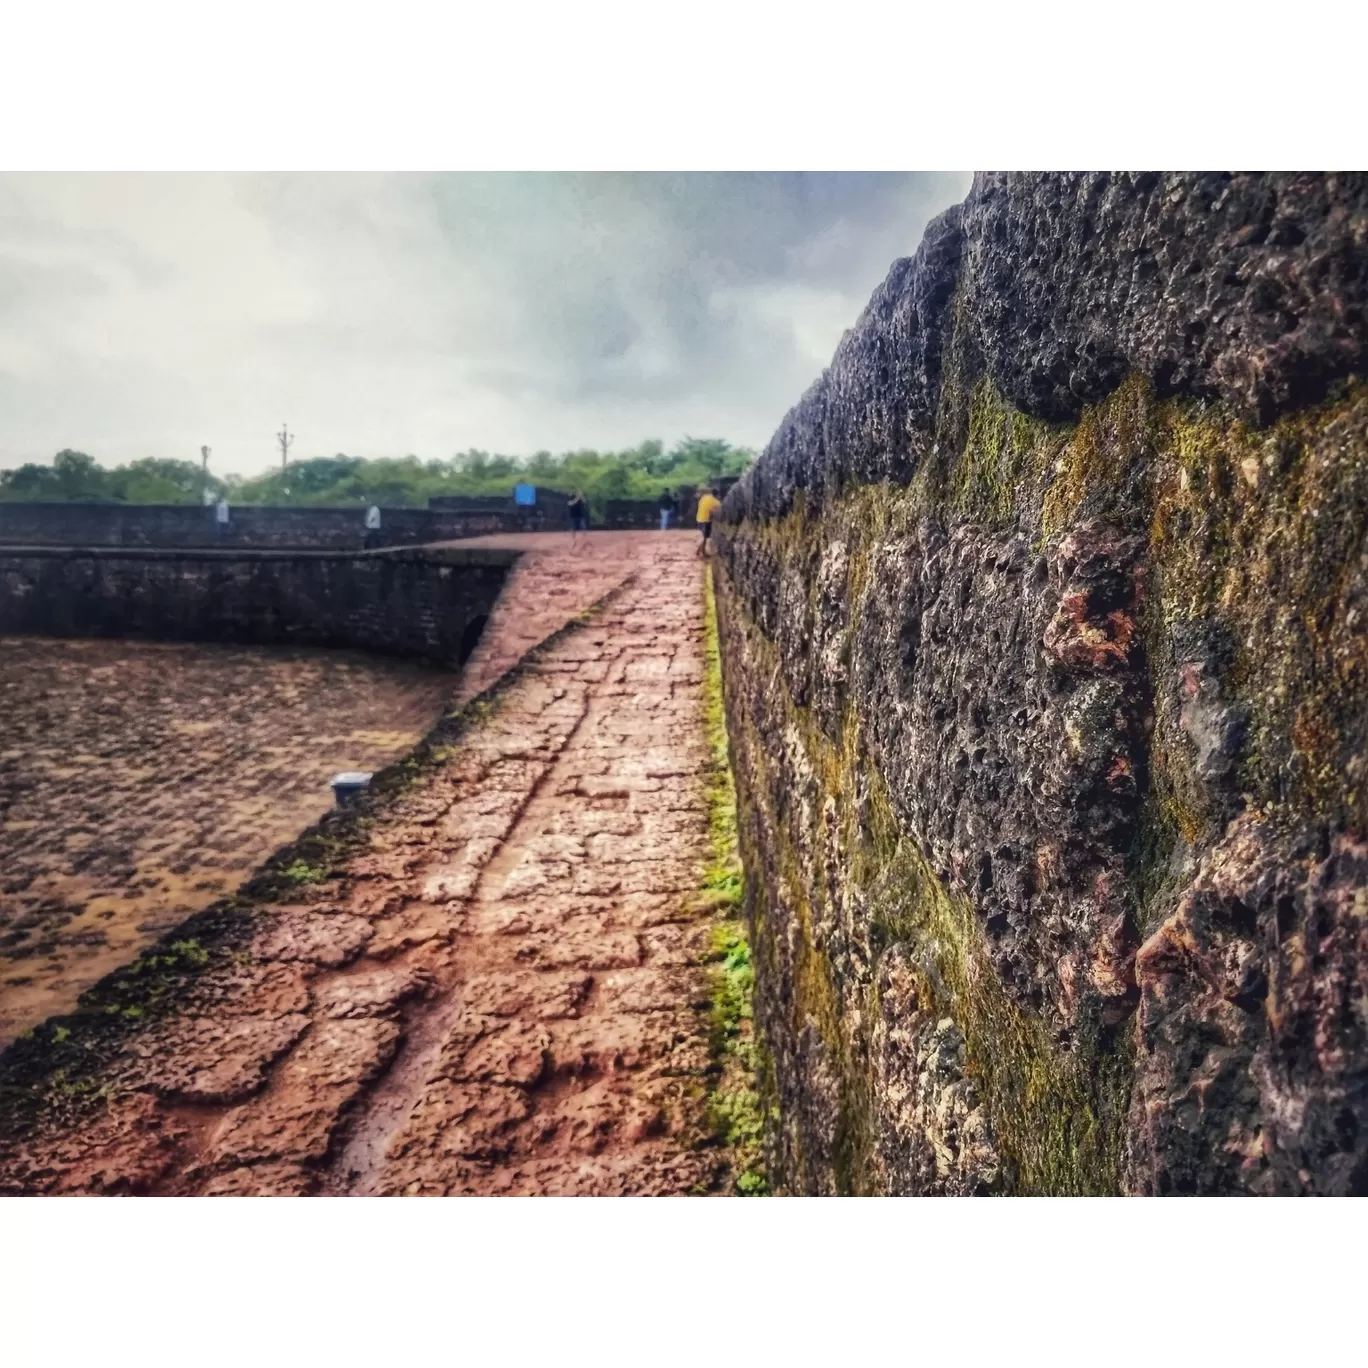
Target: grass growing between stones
303, 872
54, 1069
735, 1114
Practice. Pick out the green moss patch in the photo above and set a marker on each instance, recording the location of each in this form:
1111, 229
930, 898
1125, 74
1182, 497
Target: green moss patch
1254, 576
735, 1114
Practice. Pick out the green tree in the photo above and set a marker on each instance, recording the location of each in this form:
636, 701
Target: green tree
155, 480
640, 472
710, 455
72, 475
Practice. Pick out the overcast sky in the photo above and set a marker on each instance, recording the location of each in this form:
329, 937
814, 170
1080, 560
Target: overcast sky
147, 315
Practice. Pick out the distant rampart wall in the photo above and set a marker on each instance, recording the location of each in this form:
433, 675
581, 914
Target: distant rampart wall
549, 513
185, 525
623, 514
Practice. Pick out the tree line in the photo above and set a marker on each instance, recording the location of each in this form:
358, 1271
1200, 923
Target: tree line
640, 472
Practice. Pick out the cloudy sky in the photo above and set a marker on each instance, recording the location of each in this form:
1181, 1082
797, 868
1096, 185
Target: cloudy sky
147, 315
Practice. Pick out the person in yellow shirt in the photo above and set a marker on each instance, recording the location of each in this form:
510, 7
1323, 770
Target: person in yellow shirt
707, 506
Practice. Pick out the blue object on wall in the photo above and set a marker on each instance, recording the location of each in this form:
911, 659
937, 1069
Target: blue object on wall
524, 494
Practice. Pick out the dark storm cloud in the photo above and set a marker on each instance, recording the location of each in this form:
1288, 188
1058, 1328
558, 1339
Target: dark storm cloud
390, 313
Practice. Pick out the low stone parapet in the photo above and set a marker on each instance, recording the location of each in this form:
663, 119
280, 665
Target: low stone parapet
430, 604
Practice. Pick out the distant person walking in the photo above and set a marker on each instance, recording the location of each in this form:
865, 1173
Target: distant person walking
372, 526
221, 517
579, 518
707, 506
669, 506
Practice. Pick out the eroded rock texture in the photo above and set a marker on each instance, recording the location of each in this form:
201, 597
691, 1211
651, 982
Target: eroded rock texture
1044, 624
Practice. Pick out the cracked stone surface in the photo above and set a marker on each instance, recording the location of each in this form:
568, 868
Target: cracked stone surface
505, 990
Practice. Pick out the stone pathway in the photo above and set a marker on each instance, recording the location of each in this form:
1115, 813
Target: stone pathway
551, 583
505, 992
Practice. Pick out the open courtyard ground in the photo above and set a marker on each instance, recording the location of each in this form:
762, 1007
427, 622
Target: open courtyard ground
140, 781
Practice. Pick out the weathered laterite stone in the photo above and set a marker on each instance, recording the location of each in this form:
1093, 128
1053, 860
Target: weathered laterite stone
1043, 618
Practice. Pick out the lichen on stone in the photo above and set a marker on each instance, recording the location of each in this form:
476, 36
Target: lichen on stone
1044, 625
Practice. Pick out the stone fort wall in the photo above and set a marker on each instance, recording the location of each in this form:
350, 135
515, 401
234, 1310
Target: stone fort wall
430, 604
182, 525
1045, 664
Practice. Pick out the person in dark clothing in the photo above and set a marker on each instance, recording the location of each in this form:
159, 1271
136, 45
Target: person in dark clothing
578, 509
669, 506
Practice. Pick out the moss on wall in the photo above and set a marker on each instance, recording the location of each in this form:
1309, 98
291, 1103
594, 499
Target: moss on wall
735, 1109
1057, 1113
1251, 621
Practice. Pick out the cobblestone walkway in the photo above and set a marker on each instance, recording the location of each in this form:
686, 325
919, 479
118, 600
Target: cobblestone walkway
504, 992
550, 584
